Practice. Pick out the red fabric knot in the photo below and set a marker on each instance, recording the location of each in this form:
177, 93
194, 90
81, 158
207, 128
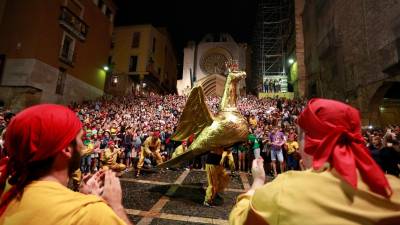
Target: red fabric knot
333, 135
346, 137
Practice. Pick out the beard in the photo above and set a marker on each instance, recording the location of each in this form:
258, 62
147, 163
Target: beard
74, 162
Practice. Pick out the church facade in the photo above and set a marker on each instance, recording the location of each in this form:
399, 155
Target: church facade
204, 64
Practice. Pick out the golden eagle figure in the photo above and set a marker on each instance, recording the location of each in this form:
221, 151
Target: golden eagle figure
212, 132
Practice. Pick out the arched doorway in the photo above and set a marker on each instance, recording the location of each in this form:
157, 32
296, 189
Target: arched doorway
384, 107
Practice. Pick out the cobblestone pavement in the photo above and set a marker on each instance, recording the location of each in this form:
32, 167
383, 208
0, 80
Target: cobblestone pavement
176, 197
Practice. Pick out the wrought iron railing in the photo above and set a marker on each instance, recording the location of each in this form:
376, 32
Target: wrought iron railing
73, 23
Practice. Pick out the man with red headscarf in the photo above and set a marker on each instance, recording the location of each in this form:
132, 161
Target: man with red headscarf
344, 186
44, 143
110, 158
151, 148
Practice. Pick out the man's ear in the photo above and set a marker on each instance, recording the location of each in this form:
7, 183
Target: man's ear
67, 152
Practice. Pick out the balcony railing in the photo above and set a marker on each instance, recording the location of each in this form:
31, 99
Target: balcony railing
73, 23
68, 60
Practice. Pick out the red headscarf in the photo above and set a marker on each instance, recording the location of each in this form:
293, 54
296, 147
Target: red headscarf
35, 134
333, 134
156, 134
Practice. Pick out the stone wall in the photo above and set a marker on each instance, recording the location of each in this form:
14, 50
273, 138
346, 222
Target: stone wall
188, 65
17, 98
349, 46
36, 74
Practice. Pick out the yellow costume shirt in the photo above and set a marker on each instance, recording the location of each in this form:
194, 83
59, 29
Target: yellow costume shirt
178, 151
308, 197
110, 157
292, 146
50, 203
150, 146
253, 122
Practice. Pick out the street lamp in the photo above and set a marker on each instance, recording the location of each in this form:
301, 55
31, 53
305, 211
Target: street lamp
291, 61
106, 68
115, 79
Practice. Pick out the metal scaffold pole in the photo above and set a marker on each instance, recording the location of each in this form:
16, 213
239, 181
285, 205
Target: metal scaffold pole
273, 28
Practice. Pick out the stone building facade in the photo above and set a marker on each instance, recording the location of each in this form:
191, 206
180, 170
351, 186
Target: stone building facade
352, 53
142, 55
55, 49
204, 63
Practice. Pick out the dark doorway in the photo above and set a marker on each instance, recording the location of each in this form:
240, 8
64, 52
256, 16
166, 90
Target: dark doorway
384, 108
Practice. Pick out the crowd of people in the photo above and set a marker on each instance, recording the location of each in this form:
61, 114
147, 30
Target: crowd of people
126, 122
272, 85
45, 145
116, 128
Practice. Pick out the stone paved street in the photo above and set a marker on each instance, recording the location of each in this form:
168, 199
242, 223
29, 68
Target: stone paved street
176, 197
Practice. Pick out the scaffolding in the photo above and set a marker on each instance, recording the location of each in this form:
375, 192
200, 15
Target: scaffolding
274, 27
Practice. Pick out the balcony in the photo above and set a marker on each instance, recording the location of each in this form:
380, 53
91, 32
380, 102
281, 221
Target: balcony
73, 23
68, 60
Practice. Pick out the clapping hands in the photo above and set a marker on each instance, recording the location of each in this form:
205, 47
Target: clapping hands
92, 184
105, 185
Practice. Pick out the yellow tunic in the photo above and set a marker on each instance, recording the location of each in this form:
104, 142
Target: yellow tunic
308, 197
110, 160
179, 150
50, 203
150, 148
217, 178
231, 160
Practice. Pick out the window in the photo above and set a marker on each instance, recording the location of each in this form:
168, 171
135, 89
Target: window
109, 60
136, 40
133, 63
154, 45
67, 48
62, 74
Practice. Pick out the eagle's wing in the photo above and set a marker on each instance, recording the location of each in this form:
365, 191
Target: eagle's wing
195, 116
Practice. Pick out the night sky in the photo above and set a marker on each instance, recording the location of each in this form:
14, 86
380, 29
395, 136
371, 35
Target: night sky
191, 20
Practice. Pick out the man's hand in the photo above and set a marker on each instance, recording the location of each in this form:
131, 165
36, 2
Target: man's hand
112, 192
92, 184
147, 150
258, 173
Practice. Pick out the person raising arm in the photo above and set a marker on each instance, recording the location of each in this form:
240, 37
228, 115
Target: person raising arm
344, 186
